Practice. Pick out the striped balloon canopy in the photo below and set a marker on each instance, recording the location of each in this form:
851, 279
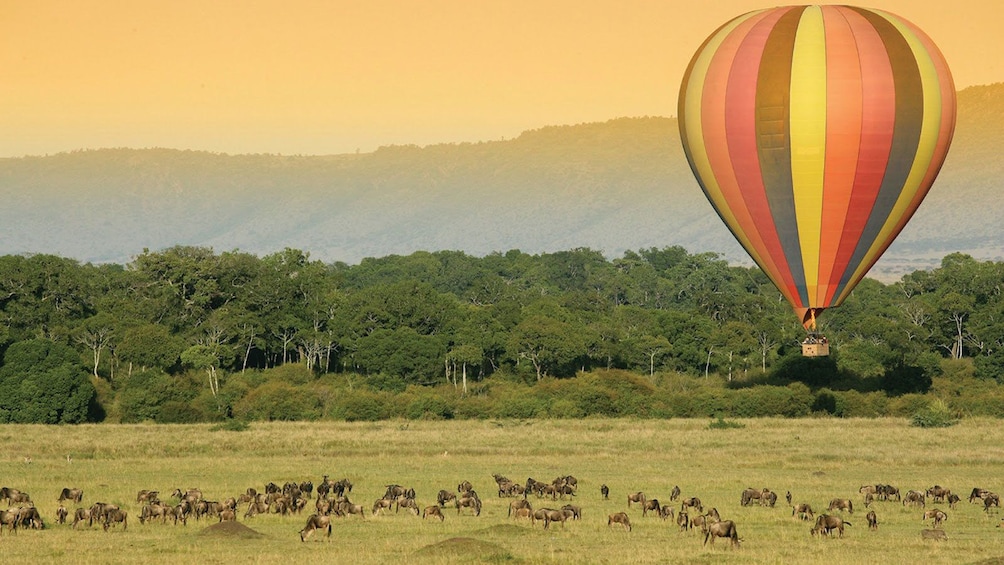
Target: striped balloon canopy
815, 132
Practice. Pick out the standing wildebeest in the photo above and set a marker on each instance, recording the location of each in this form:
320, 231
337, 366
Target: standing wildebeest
433, 511
8, 518
768, 498
842, 504
825, 524
61, 514
872, 520
525, 512
408, 503
748, 496
938, 493
518, 504
885, 492
605, 492
470, 502
316, 522
74, 494
915, 498
724, 529
953, 499
465, 486
674, 494
382, 504
636, 497
81, 515
991, 499
619, 518
977, 494
683, 521
445, 496
28, 517
651, 505
575, 511
937, 515
666, 512
692, 502
551, 515
802, 510
115, 516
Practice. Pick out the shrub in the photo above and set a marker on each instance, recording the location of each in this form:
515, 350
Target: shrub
935, 415
723, 424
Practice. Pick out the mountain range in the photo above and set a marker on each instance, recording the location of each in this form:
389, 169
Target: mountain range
612, 186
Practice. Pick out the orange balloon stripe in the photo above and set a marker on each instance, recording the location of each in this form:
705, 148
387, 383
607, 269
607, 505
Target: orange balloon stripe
878, 113
843, 144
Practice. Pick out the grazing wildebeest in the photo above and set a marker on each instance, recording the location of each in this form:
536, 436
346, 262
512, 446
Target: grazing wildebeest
382, 504
316, 522
692, 502
433, 511
8, 518
408, 503
825, 524
18, 498
937, 515
346, 508
977, 494
666, 512
713, 515
768, 498
61, 514
683, 521
674, 494
605, 492
869, 499
868, 489
872, 520
518, 504
28, 517
651, 505
842, 504
636, 497
724, 529
991, 499
445, 496
7, 492
914, 497
748, 496
115, 516
81, 515
802, 510
938, 493
699, 521
576, 511
953, 499
933, 534
885, 492
619, 518
74, 494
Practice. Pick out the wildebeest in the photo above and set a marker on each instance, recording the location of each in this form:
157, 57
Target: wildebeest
61, 514
28, 517
937, 515
518, 504
651, 505
991, 499
7, 492
605, 492
938, 493
841, 504
802, 510
433, 511
953, 499
345, 508
382, 504
74, 494
872, 520
748, 496
464, 486
914, 498
674, 494
825, 524
977, 494
408, 503
576, 511
551, 515
445, 496
81, 515
115, 516
723, 529
525, 512
885, 492
683, 521
869, 499
768, 498
666, 512
316, 522
619, 518
472, 502
692, 502
636, 497
8, 518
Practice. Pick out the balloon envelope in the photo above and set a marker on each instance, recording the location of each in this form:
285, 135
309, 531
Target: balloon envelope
815, 132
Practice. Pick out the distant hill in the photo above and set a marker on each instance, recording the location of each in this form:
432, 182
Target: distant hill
613, 186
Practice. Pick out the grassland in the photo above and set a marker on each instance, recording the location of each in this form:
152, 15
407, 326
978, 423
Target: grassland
815, 459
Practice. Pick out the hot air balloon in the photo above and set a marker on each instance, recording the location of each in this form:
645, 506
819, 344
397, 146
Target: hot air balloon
815, 132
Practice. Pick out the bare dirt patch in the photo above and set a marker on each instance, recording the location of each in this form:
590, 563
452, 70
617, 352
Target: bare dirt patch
465, 550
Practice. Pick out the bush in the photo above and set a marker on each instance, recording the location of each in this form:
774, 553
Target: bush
723, 424
936, 415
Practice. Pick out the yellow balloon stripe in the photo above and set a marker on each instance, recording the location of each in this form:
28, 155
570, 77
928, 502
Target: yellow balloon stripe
808, 140
929, 137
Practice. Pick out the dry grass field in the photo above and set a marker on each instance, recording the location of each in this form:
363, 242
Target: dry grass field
815, 459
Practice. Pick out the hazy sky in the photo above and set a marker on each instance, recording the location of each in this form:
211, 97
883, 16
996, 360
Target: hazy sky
318, 77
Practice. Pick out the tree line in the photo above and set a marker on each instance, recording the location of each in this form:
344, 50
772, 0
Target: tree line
189, 334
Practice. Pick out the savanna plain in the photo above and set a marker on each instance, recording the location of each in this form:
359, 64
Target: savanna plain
815, 459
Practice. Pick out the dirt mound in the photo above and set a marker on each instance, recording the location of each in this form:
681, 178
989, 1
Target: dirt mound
506, 531
456, 550
231, 530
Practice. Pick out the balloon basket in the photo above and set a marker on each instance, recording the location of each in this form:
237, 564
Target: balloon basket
815, 346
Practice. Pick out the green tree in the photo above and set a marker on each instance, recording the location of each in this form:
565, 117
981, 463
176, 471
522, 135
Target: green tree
43, 382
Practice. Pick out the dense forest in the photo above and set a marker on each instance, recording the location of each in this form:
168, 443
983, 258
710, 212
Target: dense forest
189, 334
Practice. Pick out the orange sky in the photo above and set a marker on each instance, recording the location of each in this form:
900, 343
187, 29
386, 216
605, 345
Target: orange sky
317, 77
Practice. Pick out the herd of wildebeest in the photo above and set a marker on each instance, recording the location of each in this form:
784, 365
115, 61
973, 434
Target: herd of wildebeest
330, 500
